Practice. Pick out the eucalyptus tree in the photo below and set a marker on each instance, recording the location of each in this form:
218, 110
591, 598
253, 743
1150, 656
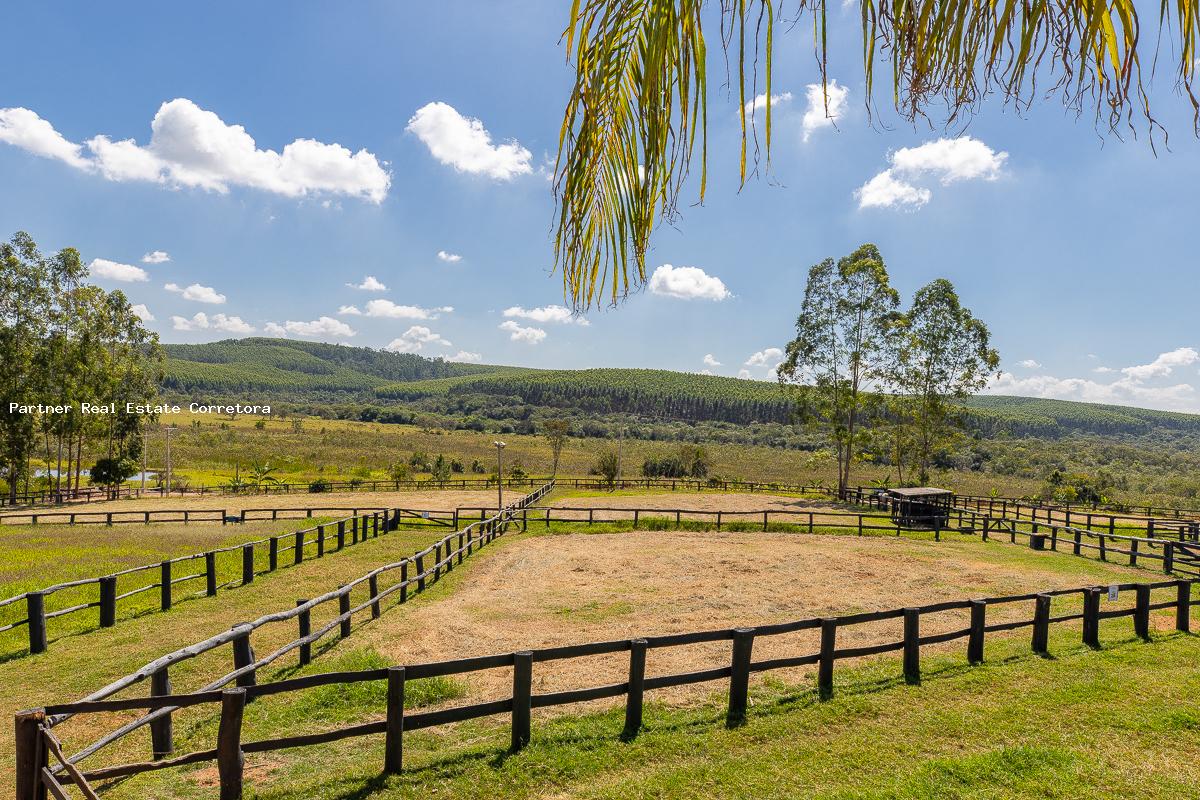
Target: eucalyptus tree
944, 354
842, 348
636, 118
24, 300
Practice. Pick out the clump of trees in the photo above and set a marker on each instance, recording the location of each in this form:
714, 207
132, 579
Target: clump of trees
869, 375
64, 342
689, 461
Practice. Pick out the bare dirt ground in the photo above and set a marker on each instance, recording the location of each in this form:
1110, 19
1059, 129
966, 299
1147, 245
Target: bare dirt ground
575, 588
437, 500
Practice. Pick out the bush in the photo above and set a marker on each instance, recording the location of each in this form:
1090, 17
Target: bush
318, 486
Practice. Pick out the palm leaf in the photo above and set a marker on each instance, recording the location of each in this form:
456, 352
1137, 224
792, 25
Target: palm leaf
638, 106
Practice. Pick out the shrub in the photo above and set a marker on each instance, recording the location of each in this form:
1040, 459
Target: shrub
318, 486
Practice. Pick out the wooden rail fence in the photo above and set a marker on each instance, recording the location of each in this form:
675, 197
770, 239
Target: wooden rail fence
36, 742
171, 573
427, 567
461, 484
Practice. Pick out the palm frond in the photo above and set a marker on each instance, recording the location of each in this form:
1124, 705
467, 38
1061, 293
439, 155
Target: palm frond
638, 107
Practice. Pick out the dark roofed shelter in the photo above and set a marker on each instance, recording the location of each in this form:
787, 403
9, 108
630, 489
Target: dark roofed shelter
921, 507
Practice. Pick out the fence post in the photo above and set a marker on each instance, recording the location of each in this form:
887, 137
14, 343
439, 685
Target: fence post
108, 601
1041, 624
1183, 606
320, 541
1133, 552
341, 534
393, 747
304, 619
273, 554
437, 561
460, 547
210, 573
978, 623
420, 573
165, 585
373, 585
247, 563
1169, 557
1141, 612
229, 743
298, 550
1075, 548
31, 755
1091, 617
161, 729
344, 612
637, 687
404, 581
739, 678
825, 665
912, 645
522, 698
243, 656
354, 528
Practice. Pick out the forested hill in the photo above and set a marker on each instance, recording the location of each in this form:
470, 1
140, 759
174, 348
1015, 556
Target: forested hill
305, 372
299, 369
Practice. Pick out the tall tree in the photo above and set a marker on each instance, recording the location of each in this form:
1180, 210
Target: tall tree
637, 111
841, 348
944, 354
556, 432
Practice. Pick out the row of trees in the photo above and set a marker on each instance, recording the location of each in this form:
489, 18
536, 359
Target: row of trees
64, 342
871, 376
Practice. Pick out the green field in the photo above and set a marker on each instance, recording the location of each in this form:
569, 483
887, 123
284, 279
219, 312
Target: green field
1019, 726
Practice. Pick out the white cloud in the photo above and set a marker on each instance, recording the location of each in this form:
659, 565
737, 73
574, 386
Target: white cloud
156, 257
192, 147
25, 129
711, 361
390, 310
1029, 363
825, 106
369, 284
769, 358
744, 374
521, 334
414, 339
947, 160
463, 143
116, 271
466, 357
884, 191
217, 322
706, 372
1133, 387
449, 258
1163, 365
325, 326
759, 103
197, 293
687, 283
274, 329
559, 314
142, 312
349, 311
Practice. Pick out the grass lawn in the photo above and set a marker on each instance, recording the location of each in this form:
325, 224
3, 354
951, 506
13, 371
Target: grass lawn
1121, 722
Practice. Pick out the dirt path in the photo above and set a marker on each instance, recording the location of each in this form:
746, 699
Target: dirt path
569, 589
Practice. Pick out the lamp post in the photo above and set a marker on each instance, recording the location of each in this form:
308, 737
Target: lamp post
499, 477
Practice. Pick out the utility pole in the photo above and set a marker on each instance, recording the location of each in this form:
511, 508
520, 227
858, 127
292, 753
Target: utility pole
499, 477
168, 430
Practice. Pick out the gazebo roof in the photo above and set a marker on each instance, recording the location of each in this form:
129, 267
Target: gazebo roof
920, 491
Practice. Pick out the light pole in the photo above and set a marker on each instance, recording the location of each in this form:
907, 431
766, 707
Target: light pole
499, 477
168, 430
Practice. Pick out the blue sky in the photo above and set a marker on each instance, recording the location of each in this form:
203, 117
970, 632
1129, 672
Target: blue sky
1077, 250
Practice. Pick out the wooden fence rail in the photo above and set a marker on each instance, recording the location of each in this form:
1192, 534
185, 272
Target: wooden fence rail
34, 737
314, 541
185, 516
461, 484
443, 556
